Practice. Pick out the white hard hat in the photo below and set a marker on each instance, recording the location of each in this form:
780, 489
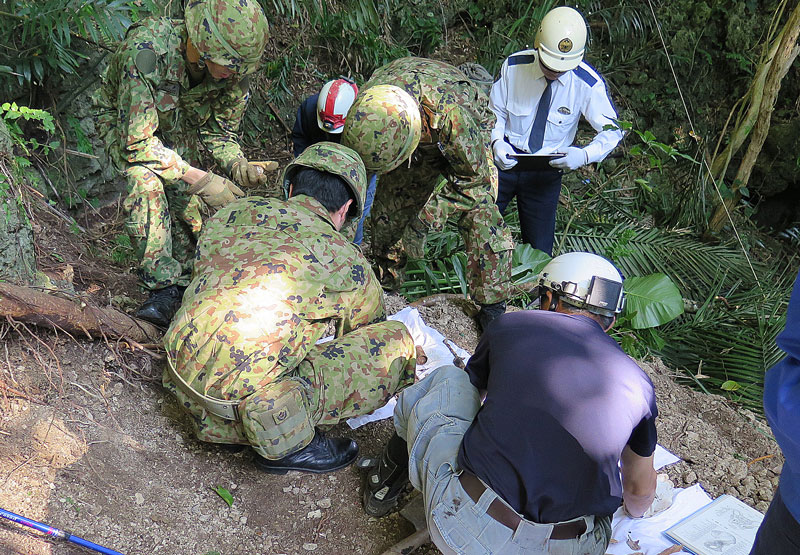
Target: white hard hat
586, 281
334, 101
561, 39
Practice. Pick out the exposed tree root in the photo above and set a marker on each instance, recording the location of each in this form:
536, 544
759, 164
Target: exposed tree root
42, 309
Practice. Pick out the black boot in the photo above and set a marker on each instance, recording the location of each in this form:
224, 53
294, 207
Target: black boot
162, 305
323, 454
489, 312
387, 477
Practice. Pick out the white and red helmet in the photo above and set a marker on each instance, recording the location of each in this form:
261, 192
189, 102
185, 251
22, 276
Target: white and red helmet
334, 101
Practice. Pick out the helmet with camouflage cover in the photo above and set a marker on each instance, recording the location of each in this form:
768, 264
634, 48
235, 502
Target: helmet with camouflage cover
231, 34
338, 160
384, 126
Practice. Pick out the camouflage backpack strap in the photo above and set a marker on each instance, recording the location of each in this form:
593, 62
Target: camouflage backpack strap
478, 75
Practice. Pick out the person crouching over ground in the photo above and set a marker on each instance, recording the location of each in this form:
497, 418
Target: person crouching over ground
534, 469
269, 277
173, 89
321, 117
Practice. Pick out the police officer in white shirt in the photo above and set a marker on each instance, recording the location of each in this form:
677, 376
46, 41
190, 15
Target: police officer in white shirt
538, 100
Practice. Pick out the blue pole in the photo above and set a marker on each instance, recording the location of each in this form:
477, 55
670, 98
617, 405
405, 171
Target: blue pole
55, 532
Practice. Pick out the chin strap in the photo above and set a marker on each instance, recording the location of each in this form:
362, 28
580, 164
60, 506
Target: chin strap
553, 301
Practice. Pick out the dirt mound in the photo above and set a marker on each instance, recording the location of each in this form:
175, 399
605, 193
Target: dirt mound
102, 450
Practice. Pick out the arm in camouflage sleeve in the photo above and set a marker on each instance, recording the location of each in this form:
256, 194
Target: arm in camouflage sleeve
362, 305
462, 142
219, 134
139, 123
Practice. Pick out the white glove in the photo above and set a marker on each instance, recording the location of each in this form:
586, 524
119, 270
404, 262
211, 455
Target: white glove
573, 159
501, 155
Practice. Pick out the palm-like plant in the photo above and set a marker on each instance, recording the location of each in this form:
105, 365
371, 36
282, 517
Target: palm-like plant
729, 340
736, 307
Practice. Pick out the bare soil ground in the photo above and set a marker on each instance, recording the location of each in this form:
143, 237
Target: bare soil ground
104, 452
90, 442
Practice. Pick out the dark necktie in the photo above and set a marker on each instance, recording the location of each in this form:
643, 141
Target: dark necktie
537, 131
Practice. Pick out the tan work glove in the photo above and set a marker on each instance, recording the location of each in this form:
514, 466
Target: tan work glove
215, 190
250, 174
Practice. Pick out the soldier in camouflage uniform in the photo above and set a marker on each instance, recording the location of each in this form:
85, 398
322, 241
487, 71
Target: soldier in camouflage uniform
172, 87
431, 109
270, 277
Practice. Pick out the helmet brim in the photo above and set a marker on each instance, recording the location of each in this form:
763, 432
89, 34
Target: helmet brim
560, 63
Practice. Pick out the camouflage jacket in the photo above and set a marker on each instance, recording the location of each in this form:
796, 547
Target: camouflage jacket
456, 118
147, 114
269, 276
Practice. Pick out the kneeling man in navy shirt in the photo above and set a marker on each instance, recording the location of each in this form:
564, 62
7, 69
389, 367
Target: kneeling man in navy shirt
534, 467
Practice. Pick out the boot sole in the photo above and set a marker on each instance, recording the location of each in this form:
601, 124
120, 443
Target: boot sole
160, 322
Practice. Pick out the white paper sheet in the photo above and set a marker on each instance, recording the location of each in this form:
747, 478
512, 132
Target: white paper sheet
649, 531
662, 458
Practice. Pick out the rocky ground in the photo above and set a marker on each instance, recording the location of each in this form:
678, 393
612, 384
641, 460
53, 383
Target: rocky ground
89, 442
101, 450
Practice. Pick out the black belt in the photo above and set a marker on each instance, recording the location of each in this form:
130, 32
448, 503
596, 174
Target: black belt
509, 518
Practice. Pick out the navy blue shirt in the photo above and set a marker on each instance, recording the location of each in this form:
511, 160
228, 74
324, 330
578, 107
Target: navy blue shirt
782, 403
306, 131
563, 401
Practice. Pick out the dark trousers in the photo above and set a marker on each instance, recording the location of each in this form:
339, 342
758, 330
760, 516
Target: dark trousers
537, 194
779, 533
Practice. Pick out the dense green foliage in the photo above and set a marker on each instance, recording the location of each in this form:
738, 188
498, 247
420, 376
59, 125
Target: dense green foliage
43, 38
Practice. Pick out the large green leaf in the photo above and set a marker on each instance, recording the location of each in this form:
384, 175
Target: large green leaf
653, 300
527, 263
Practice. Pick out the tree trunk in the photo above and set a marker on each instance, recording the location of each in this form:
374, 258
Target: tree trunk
762, 103
80, 318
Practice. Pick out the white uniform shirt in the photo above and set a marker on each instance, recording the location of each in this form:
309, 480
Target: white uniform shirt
515, 98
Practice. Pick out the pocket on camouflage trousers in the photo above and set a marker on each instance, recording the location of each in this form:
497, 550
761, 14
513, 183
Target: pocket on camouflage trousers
276, 419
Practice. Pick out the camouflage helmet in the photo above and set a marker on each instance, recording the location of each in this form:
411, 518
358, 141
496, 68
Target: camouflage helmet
335, 159
232, 34
384, 126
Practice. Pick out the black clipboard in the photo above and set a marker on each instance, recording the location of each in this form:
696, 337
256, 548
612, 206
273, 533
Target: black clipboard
527, 161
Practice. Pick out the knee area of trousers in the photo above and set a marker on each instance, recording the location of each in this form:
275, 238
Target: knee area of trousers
449, 373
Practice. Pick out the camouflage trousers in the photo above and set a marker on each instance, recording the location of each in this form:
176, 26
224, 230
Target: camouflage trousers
163, 224
348, 376
419, 191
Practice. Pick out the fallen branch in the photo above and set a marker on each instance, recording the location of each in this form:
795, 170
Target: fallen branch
42, 309
431, 300
14, 392
467, 306
278, 117
409, 544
